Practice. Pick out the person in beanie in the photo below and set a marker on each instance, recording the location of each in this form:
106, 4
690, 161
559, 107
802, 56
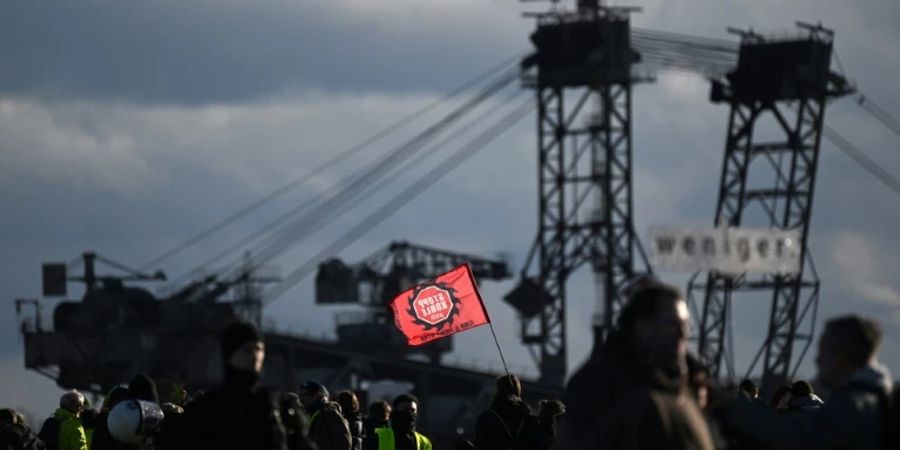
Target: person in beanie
327, 426
238, 415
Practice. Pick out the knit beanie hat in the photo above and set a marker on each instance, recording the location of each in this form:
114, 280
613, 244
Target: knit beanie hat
236, 335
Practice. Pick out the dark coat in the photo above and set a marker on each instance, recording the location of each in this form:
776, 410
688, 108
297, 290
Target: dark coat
509, 424
329, 430
659, 419
615, 402
235, 416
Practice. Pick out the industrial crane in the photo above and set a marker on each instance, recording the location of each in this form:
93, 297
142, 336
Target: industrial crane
581, 75
770, 182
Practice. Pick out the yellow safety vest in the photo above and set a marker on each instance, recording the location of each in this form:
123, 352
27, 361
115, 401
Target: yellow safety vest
386, 440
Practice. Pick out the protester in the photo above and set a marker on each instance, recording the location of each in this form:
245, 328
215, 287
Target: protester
631, 392
327, 427
639, 390
143, 388
508, 422
239, 414
379, 415
402, 434
350, 410
852, 414
549, 413
63, 430
15, 433
803, 398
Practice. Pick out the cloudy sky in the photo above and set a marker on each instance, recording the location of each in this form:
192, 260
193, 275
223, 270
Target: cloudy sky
126, 127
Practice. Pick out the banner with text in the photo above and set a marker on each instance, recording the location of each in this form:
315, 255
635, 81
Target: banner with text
446, 305
726, 250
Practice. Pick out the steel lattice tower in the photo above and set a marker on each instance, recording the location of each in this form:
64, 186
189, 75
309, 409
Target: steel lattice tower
770, 182
583, 89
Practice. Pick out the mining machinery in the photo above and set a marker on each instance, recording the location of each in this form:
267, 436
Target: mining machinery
777, 97
581, 74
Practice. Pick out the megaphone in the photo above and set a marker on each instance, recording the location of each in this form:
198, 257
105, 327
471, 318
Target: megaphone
131, 421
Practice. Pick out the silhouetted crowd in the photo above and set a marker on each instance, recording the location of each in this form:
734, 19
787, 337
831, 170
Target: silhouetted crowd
639, 389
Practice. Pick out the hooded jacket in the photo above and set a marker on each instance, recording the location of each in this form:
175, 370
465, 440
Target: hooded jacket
236, 416
850, 418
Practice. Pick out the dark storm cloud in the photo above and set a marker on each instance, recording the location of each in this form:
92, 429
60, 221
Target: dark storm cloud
196, 51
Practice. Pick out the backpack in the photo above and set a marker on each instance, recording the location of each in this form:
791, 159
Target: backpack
50, 433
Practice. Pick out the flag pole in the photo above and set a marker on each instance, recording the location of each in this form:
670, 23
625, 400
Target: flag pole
491, 325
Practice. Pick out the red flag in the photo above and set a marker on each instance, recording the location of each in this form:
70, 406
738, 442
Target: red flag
440, 307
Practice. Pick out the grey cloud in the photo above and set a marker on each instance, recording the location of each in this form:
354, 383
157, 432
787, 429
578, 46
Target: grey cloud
202, 51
